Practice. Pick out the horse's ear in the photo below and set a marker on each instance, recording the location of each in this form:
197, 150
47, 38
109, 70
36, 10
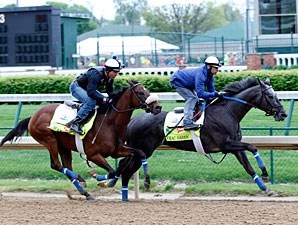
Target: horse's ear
267, 81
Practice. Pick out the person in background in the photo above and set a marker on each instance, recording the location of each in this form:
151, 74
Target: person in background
195, 83
85, 89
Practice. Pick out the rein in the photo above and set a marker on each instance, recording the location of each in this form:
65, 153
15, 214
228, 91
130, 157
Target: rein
247, 103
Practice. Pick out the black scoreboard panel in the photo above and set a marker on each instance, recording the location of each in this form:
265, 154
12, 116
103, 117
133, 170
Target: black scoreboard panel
30, 36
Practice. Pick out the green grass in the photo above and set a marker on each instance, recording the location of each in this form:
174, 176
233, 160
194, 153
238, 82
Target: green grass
30, 170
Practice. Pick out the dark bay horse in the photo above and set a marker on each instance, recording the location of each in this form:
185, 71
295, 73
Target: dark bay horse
106, 138
221, 131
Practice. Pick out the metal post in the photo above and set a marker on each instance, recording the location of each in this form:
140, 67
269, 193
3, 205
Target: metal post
123, 52
271, 161
97, 51
223, 46
289, 118
136, 184
18, 113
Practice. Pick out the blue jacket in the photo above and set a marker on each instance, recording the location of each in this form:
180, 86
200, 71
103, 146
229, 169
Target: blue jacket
195, 79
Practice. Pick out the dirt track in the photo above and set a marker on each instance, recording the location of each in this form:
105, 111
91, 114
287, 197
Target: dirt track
39, 210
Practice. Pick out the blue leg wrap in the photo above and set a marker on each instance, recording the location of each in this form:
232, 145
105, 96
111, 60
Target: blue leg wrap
112, 182
70, 173
259, 160
145, 165
259, 182
76, 183
124, 193
102, 177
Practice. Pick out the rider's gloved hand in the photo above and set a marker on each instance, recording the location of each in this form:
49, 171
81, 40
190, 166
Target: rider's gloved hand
219, 94
107, 100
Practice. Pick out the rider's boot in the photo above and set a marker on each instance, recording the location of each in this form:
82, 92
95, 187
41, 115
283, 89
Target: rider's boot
76, 125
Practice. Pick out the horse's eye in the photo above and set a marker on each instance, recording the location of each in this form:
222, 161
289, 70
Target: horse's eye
271, 96
141, 93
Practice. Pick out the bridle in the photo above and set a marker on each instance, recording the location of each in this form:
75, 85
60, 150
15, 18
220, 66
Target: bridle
142, 104
269, 112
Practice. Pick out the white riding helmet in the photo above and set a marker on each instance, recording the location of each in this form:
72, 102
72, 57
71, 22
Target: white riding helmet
113, 65
213, 61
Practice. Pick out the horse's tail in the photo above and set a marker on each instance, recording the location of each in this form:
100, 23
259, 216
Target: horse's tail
16, 132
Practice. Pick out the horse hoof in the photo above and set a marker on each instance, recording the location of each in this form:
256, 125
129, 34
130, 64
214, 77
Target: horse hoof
271, 193
92, 173
102, 184
90, 198
265, 179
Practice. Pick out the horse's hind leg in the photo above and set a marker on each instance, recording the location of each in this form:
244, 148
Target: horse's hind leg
76, 179
100, 161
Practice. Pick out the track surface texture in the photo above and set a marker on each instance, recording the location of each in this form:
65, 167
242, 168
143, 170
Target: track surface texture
153, 209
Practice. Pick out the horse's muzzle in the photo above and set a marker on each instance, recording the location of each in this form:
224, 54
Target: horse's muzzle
153, 108
280, 116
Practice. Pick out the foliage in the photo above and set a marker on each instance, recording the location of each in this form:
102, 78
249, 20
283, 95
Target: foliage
35, 84
189, 19
128, 12
83, 25
281, 80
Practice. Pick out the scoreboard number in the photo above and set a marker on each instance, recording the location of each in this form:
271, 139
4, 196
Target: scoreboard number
2, 18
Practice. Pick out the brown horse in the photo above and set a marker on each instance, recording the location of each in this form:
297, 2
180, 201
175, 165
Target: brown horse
106, 137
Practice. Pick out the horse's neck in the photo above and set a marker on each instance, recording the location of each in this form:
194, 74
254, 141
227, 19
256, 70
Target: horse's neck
120, 116
238, 109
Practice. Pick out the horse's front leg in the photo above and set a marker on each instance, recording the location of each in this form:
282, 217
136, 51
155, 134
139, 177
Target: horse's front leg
238, 149
128, 166
242, 158
261, 165
132, 164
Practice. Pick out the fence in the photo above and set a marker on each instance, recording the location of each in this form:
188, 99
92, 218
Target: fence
176, 165
186, 48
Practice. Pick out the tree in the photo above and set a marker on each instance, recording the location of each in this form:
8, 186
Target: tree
128, 12
175, 20
83, 25
181, 21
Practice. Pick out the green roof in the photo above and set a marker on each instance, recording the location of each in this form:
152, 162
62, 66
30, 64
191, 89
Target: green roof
232, 31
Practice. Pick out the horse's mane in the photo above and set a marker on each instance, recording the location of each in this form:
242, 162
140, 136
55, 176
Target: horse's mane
238, 86
118, 93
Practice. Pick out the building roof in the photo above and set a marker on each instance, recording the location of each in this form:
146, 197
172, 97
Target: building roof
114, 45
232, 31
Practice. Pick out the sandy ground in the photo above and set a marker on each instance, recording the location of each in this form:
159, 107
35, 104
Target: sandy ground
153, 209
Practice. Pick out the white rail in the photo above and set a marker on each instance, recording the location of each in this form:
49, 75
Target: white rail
261, 142
286, 95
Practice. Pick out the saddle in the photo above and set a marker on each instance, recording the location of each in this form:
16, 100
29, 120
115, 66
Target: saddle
67, 112
175, 118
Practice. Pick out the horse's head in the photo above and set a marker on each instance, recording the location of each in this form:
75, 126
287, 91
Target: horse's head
270, 102
143, 98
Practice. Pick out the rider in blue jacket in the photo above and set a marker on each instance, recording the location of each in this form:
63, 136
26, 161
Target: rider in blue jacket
85, 89
195, 83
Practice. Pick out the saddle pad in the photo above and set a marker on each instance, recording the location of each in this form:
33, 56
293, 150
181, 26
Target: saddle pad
174, 120
64, 114
173, 129
177, 133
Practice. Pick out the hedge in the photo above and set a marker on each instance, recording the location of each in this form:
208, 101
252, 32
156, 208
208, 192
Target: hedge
281, 80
